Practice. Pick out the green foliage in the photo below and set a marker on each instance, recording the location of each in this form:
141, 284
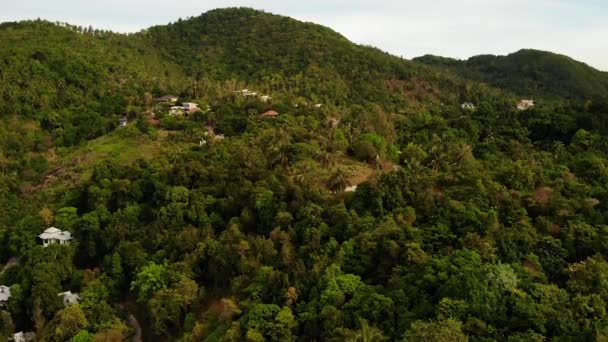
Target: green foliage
484, 225
530, 73
448, 330
152, 278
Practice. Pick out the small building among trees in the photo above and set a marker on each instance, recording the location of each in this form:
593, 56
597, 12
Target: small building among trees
24, 337
69, 298
5, 294
166, 99
270, 114
54, 235
525, 104
468, 106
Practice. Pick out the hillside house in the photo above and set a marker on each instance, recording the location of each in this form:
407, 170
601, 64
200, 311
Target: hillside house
246, 93
24, 337
69, 298
468, 106
270, 114
53, 235
525, 104
190, 107
5, 294
265, 98
123, 122
318, 105
167, 99
176, 110
350, 188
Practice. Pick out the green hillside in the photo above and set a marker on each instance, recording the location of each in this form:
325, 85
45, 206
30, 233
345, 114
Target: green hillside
530, 73
351, 198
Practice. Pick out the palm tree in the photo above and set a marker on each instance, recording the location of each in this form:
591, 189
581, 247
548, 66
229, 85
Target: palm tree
339, 180
281, 149
366, 333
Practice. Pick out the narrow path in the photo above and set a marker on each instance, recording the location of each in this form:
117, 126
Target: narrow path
133, 323
12, 262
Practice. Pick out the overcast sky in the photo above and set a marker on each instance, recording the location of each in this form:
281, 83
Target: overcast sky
408, 28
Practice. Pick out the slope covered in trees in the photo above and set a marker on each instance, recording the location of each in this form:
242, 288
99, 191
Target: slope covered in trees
76, 82
530, 73
480, 224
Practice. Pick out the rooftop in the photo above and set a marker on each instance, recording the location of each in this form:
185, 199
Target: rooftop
5, 293
53, 233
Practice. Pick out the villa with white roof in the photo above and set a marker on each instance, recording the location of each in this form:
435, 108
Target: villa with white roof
5, 294
69, 298
54, 235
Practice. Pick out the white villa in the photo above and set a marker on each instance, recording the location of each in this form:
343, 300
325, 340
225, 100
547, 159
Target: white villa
24, 337
54, 235
525, 104
69, 298
166, 99
246, 93
265, 98
190, 107
5, 294
123, 122
351, 188
468, 106
176, 110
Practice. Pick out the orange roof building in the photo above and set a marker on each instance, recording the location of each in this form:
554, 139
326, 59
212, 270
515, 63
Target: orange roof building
270, 114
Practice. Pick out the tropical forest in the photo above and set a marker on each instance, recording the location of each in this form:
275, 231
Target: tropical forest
245, 176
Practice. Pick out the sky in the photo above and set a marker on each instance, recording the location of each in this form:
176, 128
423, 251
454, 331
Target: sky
407, 28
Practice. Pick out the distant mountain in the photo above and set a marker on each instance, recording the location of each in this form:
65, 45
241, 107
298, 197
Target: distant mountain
529, 73
68, 76
77, 81
255, 46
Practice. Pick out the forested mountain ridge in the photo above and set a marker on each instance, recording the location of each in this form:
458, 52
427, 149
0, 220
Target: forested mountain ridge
530, 73
345, 196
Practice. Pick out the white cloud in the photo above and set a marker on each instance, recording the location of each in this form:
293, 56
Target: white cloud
410, 28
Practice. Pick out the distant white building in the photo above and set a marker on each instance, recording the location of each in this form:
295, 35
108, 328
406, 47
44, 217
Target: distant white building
525, 104
265, 98
318, 105
176, 110
24, 337
246, 93
123, 122
54, 235
350, 188
5, 294
69, 298
166, 99
190, 107
468, 106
